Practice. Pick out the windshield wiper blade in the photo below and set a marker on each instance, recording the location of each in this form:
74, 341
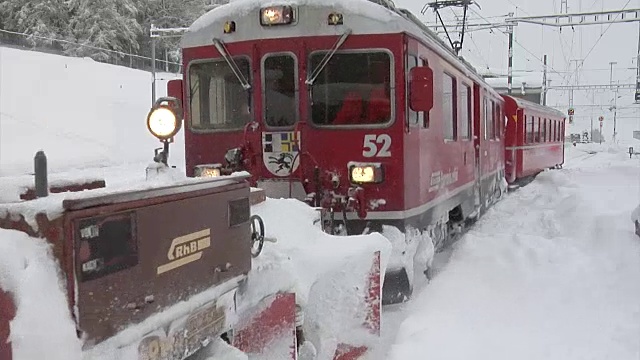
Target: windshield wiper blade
232, 64
316, 72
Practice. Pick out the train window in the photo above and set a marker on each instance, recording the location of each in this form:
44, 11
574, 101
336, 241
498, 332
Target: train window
491, 121
279, 73
217, 99
465, 112
543, 130
485, 117
530, 127
536, 130
352, 89
449, 107
550, 138
498, 116
415, 118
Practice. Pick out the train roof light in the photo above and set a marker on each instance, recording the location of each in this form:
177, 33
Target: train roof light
276, 15
229, 27
335, 19
164, 119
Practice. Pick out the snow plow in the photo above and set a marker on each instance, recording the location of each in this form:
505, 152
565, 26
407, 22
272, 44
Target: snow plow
161, 270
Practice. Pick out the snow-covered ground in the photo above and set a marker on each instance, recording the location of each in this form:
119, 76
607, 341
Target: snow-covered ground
80, 112
551, 272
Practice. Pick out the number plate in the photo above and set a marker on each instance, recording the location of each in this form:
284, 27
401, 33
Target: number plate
199, 328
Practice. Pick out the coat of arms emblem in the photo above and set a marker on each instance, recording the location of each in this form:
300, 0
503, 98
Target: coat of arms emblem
281, 152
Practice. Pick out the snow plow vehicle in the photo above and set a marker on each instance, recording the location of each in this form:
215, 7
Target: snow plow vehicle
156, 270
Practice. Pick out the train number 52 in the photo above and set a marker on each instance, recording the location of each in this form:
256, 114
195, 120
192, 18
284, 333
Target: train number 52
377, 145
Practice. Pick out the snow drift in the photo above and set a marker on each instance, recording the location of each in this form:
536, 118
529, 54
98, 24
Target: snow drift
549, 273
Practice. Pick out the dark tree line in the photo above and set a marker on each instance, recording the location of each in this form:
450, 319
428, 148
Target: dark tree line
118, 25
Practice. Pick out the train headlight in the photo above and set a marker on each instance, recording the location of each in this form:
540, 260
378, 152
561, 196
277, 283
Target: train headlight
208, 170
366, 173
276, 15
164, 119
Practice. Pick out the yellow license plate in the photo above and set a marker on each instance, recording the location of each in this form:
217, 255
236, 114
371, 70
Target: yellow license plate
203, 325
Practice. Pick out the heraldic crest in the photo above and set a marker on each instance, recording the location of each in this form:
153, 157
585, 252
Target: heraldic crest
280, 152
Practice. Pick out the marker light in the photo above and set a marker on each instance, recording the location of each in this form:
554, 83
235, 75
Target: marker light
276, 15
335, 19
229, 27
366, 174
208, 170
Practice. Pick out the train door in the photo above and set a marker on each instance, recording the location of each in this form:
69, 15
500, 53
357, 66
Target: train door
279, 109
478, 112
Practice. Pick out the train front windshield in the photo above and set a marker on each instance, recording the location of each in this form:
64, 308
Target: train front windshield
353, 89
217, 99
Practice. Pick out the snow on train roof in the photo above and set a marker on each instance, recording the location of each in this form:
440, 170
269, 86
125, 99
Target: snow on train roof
362, 16
522, 103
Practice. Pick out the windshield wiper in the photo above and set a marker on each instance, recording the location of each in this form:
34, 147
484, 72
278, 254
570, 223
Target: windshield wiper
316, 72
232, 64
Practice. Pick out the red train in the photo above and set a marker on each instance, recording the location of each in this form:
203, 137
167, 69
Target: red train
534, 139
358, 109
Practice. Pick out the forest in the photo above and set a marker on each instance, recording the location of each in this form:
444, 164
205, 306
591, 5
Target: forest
104, 30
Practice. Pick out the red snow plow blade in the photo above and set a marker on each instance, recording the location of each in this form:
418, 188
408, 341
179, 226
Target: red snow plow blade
271, 324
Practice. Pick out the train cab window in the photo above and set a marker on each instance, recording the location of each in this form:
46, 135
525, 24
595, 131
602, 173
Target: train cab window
352, 89
449, 107
465, 112
279, 74
217, 99
416, 118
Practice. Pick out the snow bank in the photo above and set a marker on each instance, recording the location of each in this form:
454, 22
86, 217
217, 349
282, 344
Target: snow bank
551, 272
80, 112
42, 328
329, 274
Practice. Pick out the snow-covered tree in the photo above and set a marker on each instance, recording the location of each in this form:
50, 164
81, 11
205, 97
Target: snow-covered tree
103, 24
46, 19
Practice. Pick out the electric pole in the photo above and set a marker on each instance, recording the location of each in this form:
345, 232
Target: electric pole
543, 98
510, 71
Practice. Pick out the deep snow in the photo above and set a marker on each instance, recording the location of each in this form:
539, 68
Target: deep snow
551, 272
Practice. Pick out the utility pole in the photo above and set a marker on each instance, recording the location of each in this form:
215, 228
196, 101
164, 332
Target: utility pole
611, 71
543, 98
637, 97
510, 72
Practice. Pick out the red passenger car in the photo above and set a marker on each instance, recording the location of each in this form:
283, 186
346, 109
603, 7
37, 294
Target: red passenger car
356, 108
534, 139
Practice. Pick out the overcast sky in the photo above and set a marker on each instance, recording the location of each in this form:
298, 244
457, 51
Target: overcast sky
597, 45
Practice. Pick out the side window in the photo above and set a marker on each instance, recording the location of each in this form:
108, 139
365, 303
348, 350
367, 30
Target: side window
415, 118
549, 130
449, 107
485, 117
465, 112
491, 121
543, 127
217, 100
426, 119
528, 129
536, 130
280, 90
498, 117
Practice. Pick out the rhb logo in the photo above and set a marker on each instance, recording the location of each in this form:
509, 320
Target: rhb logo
186, 249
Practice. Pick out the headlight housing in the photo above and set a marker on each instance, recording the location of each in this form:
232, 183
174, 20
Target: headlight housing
365, 173
208, 170
276, 15
165, 118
